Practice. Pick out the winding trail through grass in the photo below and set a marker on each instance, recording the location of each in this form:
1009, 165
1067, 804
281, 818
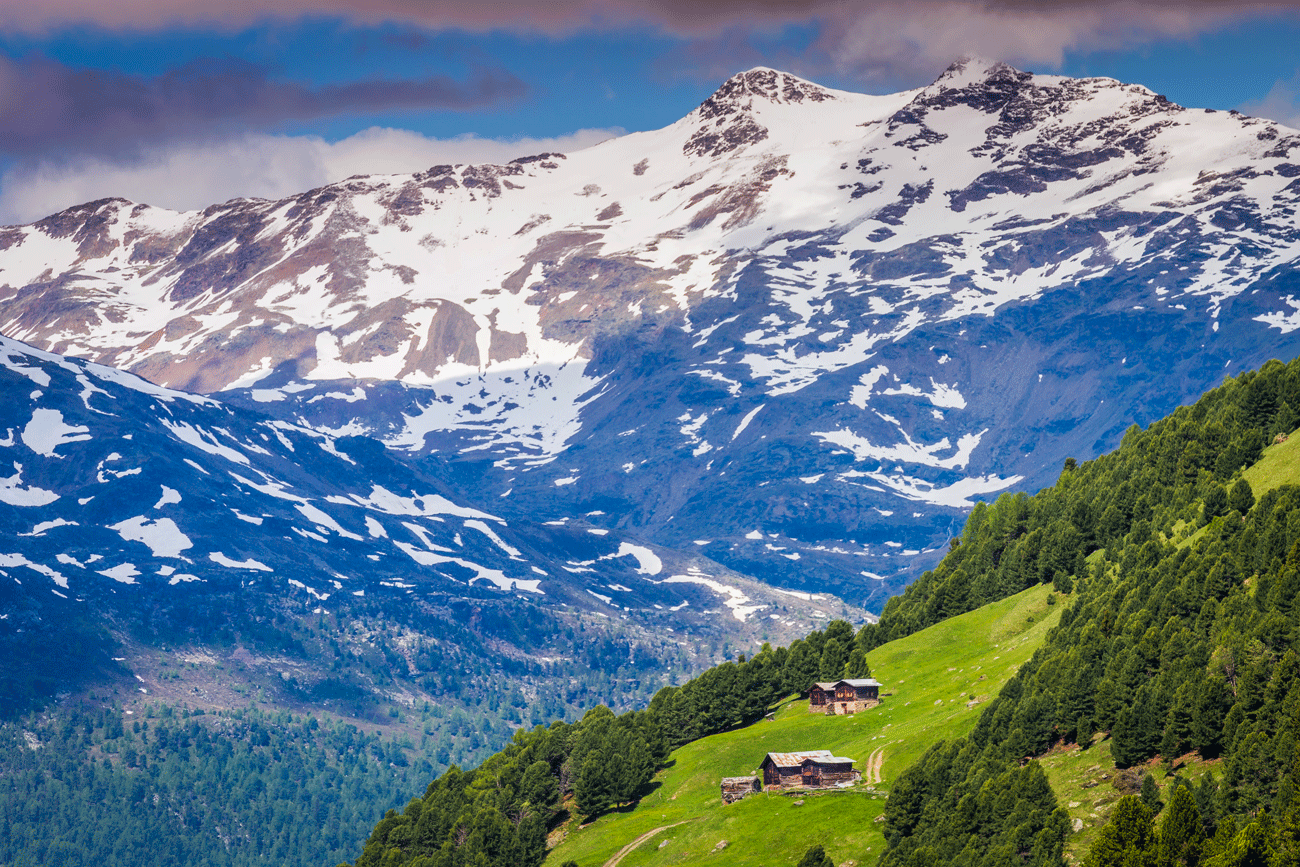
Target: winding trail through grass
874, 761
623, 853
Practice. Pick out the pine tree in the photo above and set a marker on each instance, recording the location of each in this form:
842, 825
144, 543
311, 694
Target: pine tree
539, 786
1206, 796
594, 790
857, 666
816, 857
1216, 502
1138, 729
1241, 498
834, 655
1288, 830
1250, 847
1151, 795
1181, 834
801, 667
1126, 838
1084, 732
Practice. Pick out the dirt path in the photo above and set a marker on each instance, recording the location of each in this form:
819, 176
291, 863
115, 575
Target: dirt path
623, 853
874, 761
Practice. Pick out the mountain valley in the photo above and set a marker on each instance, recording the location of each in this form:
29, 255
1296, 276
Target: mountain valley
384, 474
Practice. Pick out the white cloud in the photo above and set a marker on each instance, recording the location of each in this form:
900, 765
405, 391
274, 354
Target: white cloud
186, 176
1281, 103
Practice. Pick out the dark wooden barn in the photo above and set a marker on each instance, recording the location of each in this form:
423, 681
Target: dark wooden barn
817, 769
844, 696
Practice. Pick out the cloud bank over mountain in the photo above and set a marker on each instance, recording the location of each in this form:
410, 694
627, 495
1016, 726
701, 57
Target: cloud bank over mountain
191, 175
887, 35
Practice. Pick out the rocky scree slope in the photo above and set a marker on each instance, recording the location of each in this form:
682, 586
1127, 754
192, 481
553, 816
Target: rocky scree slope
846, 317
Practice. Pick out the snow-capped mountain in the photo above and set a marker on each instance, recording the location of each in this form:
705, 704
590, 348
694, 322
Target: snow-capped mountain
121, 497
798, 331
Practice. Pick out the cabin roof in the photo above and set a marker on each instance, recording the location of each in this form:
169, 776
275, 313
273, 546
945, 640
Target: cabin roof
863, 681
829, 686
794, 760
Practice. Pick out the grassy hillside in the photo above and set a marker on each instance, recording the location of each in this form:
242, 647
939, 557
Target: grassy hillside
1279, 465
935, 683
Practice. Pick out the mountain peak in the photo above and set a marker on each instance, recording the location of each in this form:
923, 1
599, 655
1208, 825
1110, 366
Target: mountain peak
726, 120
971, 70
761, 82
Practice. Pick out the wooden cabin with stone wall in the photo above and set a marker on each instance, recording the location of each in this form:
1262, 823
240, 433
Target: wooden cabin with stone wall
819, 696
818, 769
844, 696
852, 696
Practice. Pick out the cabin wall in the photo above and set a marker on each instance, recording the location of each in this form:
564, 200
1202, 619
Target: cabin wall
782, 778
832, 777
817, 776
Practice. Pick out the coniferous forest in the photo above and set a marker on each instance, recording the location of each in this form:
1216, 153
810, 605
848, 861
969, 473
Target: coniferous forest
180, 788
1180, 638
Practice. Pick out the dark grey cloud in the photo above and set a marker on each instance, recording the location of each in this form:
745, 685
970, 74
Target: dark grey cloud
48, 108
690, 17
884, 40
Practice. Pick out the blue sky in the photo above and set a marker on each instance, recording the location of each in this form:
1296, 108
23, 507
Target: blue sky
173, 103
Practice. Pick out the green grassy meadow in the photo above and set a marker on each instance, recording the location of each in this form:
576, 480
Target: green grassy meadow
935, 684
1278, 466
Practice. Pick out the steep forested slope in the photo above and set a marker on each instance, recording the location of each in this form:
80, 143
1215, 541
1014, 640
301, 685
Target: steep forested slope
1178, 470
1181, 638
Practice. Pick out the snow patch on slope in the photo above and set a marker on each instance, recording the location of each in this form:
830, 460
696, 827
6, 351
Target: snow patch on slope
14, 493
162, 536
47, 431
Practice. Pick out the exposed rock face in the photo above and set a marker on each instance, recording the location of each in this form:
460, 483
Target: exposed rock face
800, 330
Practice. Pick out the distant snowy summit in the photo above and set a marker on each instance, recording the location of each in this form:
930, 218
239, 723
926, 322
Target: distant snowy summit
847, 317
466, 269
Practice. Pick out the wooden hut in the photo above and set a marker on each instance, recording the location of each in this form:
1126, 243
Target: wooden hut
820, 696
852, 696
844, 696
817, 769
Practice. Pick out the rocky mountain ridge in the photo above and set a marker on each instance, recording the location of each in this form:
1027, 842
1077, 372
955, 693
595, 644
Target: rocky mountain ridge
800, 330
